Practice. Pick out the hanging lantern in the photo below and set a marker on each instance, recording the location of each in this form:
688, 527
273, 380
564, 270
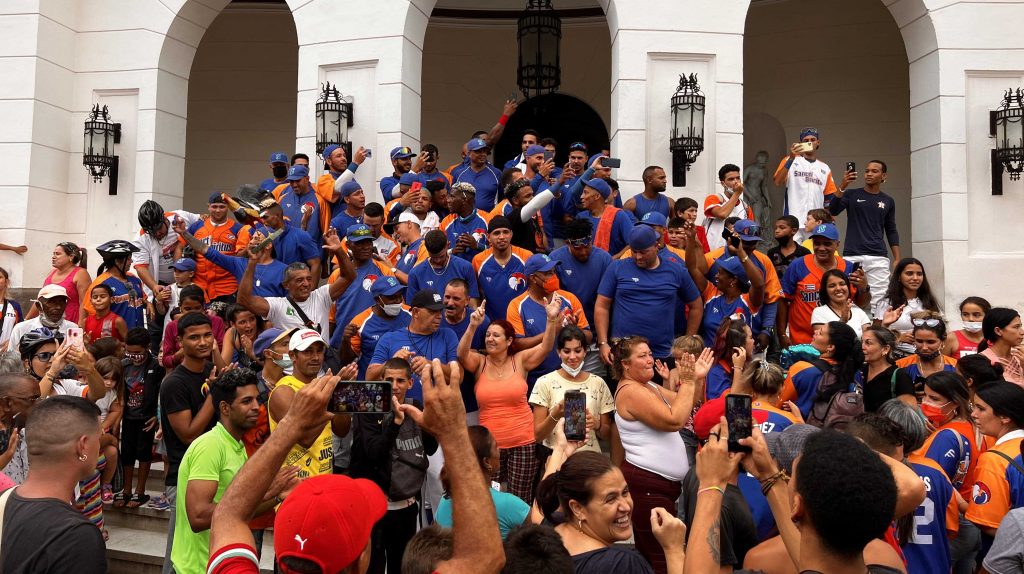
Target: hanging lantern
98, 147
333, 119
687, 139
1007, 125
540, 33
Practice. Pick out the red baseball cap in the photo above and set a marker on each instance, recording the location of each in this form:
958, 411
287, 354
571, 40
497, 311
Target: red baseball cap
327, 520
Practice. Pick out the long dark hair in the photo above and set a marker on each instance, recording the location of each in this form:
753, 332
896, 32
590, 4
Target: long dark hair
731, 333
953, 387
847, 355
924, 293
823, 297
978, 370
1005, 399
886, 338
571, 482
995, 318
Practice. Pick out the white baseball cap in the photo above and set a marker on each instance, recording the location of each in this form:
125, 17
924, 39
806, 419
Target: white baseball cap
408, 216
50, 291
303, 338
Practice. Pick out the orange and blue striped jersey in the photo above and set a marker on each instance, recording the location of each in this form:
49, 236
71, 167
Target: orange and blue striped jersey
800, 286
936, 520
227, 238
500, 284
998, 485
801, 385
952, 447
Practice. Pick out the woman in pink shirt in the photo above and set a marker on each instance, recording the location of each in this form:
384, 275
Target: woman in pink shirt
68, 261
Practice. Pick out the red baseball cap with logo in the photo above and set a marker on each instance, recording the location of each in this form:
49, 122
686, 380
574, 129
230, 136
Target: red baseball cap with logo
327, 520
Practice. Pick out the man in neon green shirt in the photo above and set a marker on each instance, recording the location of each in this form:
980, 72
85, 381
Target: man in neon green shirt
209, 466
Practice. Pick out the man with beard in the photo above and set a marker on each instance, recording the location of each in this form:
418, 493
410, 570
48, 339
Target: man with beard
298, 201
401, 160
440, 267
339, 172
612, 226
209, 466
653, 197
220, 234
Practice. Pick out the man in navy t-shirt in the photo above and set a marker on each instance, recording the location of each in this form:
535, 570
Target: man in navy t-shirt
637, 294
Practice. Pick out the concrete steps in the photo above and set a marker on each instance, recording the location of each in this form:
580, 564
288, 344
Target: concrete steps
138, 536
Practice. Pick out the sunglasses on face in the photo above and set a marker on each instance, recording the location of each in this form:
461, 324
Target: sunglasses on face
45, 356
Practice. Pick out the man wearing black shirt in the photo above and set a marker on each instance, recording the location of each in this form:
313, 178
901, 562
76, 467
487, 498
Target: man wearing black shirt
42, 531
787, 249
186, 408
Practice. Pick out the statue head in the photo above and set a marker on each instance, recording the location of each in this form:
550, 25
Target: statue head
762, 158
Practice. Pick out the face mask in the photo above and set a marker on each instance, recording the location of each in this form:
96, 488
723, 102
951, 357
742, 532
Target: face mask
928, 356
572, 372
934, 413
552, 284
285, 362
392, 309
280, 171
972, 326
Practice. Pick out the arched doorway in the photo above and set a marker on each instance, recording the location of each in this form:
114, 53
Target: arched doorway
241, 99
856, 93
565, 118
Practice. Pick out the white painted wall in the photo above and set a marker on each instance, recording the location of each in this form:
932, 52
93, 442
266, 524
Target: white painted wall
856, 92
241, 101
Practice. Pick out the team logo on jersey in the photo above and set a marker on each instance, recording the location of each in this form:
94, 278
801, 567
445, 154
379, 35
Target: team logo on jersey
636, 279
516, 281
431, 283
368, 282
881, 205
568, 272
479, 234
981, 493
530, 321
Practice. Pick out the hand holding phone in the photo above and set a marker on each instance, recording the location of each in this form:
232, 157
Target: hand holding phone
75, 338
611, 162
357, 397
575, 415
803, 147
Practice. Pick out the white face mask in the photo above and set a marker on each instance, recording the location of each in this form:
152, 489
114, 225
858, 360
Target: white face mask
286, 364
392, 309
572, 372
972, 326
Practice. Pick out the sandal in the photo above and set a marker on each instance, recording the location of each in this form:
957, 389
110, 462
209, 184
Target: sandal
138, 500
108, 494
120, 499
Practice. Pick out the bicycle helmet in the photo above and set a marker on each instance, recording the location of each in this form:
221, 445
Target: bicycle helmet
117, 248
31, 341
151, 216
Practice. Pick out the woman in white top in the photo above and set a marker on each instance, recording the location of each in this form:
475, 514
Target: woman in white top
908, 293
649, 418
547, 396
836, 304
10, 311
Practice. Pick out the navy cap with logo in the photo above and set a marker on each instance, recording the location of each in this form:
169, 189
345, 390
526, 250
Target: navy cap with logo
216, 197
748, 230
427, 299
476, 144
279, 157
540, 263
297, 172
402, 152
654, 219
359, 232
386, 286
826, 230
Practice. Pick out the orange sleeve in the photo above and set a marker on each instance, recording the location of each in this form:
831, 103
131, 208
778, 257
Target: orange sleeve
479, 258
952, 515
448, 219
990, 499
782, 167
709, 291
789, 388
485, 215
324, 188
325, 214
772, 285
280, 190
384, 269
711, 202
830, 186
422, 254
513, 316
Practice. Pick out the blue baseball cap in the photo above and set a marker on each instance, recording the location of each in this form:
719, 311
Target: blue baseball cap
600, 186
279, 157
540, 263
809, 132
477, 144
534, 150
329, 150
350, 187
748, 230
267, 338
386, 286
593, 157
408, 178
297, 172
216, 197
733, 265
184, 264
654, 219
402, 152
359, 232
826, 230
642, 237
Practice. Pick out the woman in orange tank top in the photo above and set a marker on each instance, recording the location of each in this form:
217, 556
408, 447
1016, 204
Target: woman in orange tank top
501, 392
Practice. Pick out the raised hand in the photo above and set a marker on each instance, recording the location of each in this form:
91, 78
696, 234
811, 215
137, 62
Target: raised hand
662, 370
739, 357
308, 410
704, 363
715, 464
892, 315
443, 411
668, 529
554, 307
477, 317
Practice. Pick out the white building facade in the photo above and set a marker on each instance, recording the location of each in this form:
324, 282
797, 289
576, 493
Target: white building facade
205, 90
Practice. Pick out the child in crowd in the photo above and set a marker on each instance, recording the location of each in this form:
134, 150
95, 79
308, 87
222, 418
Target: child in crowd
786, 249
184, 271
111, 410
686, 208
965, 341
815, 217
142, 376
690, 345
104, 322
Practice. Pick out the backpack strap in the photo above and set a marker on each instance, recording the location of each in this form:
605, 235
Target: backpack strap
302, 315
1015, 464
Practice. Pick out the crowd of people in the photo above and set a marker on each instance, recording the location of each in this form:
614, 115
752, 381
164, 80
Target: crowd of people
877, 439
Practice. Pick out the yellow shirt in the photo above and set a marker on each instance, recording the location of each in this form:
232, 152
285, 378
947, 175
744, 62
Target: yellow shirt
319, 457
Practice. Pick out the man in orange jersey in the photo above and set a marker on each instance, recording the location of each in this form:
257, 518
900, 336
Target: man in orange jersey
224, 236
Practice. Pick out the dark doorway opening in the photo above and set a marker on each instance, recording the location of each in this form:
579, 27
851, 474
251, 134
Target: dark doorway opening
564, 118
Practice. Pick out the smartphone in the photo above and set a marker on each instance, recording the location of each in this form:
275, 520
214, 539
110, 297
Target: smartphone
575, 415
74, 338
804, 147
740, 419
513, 96
549, 155
361, 397
368, 152
851, 166
611, 162
854, 267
